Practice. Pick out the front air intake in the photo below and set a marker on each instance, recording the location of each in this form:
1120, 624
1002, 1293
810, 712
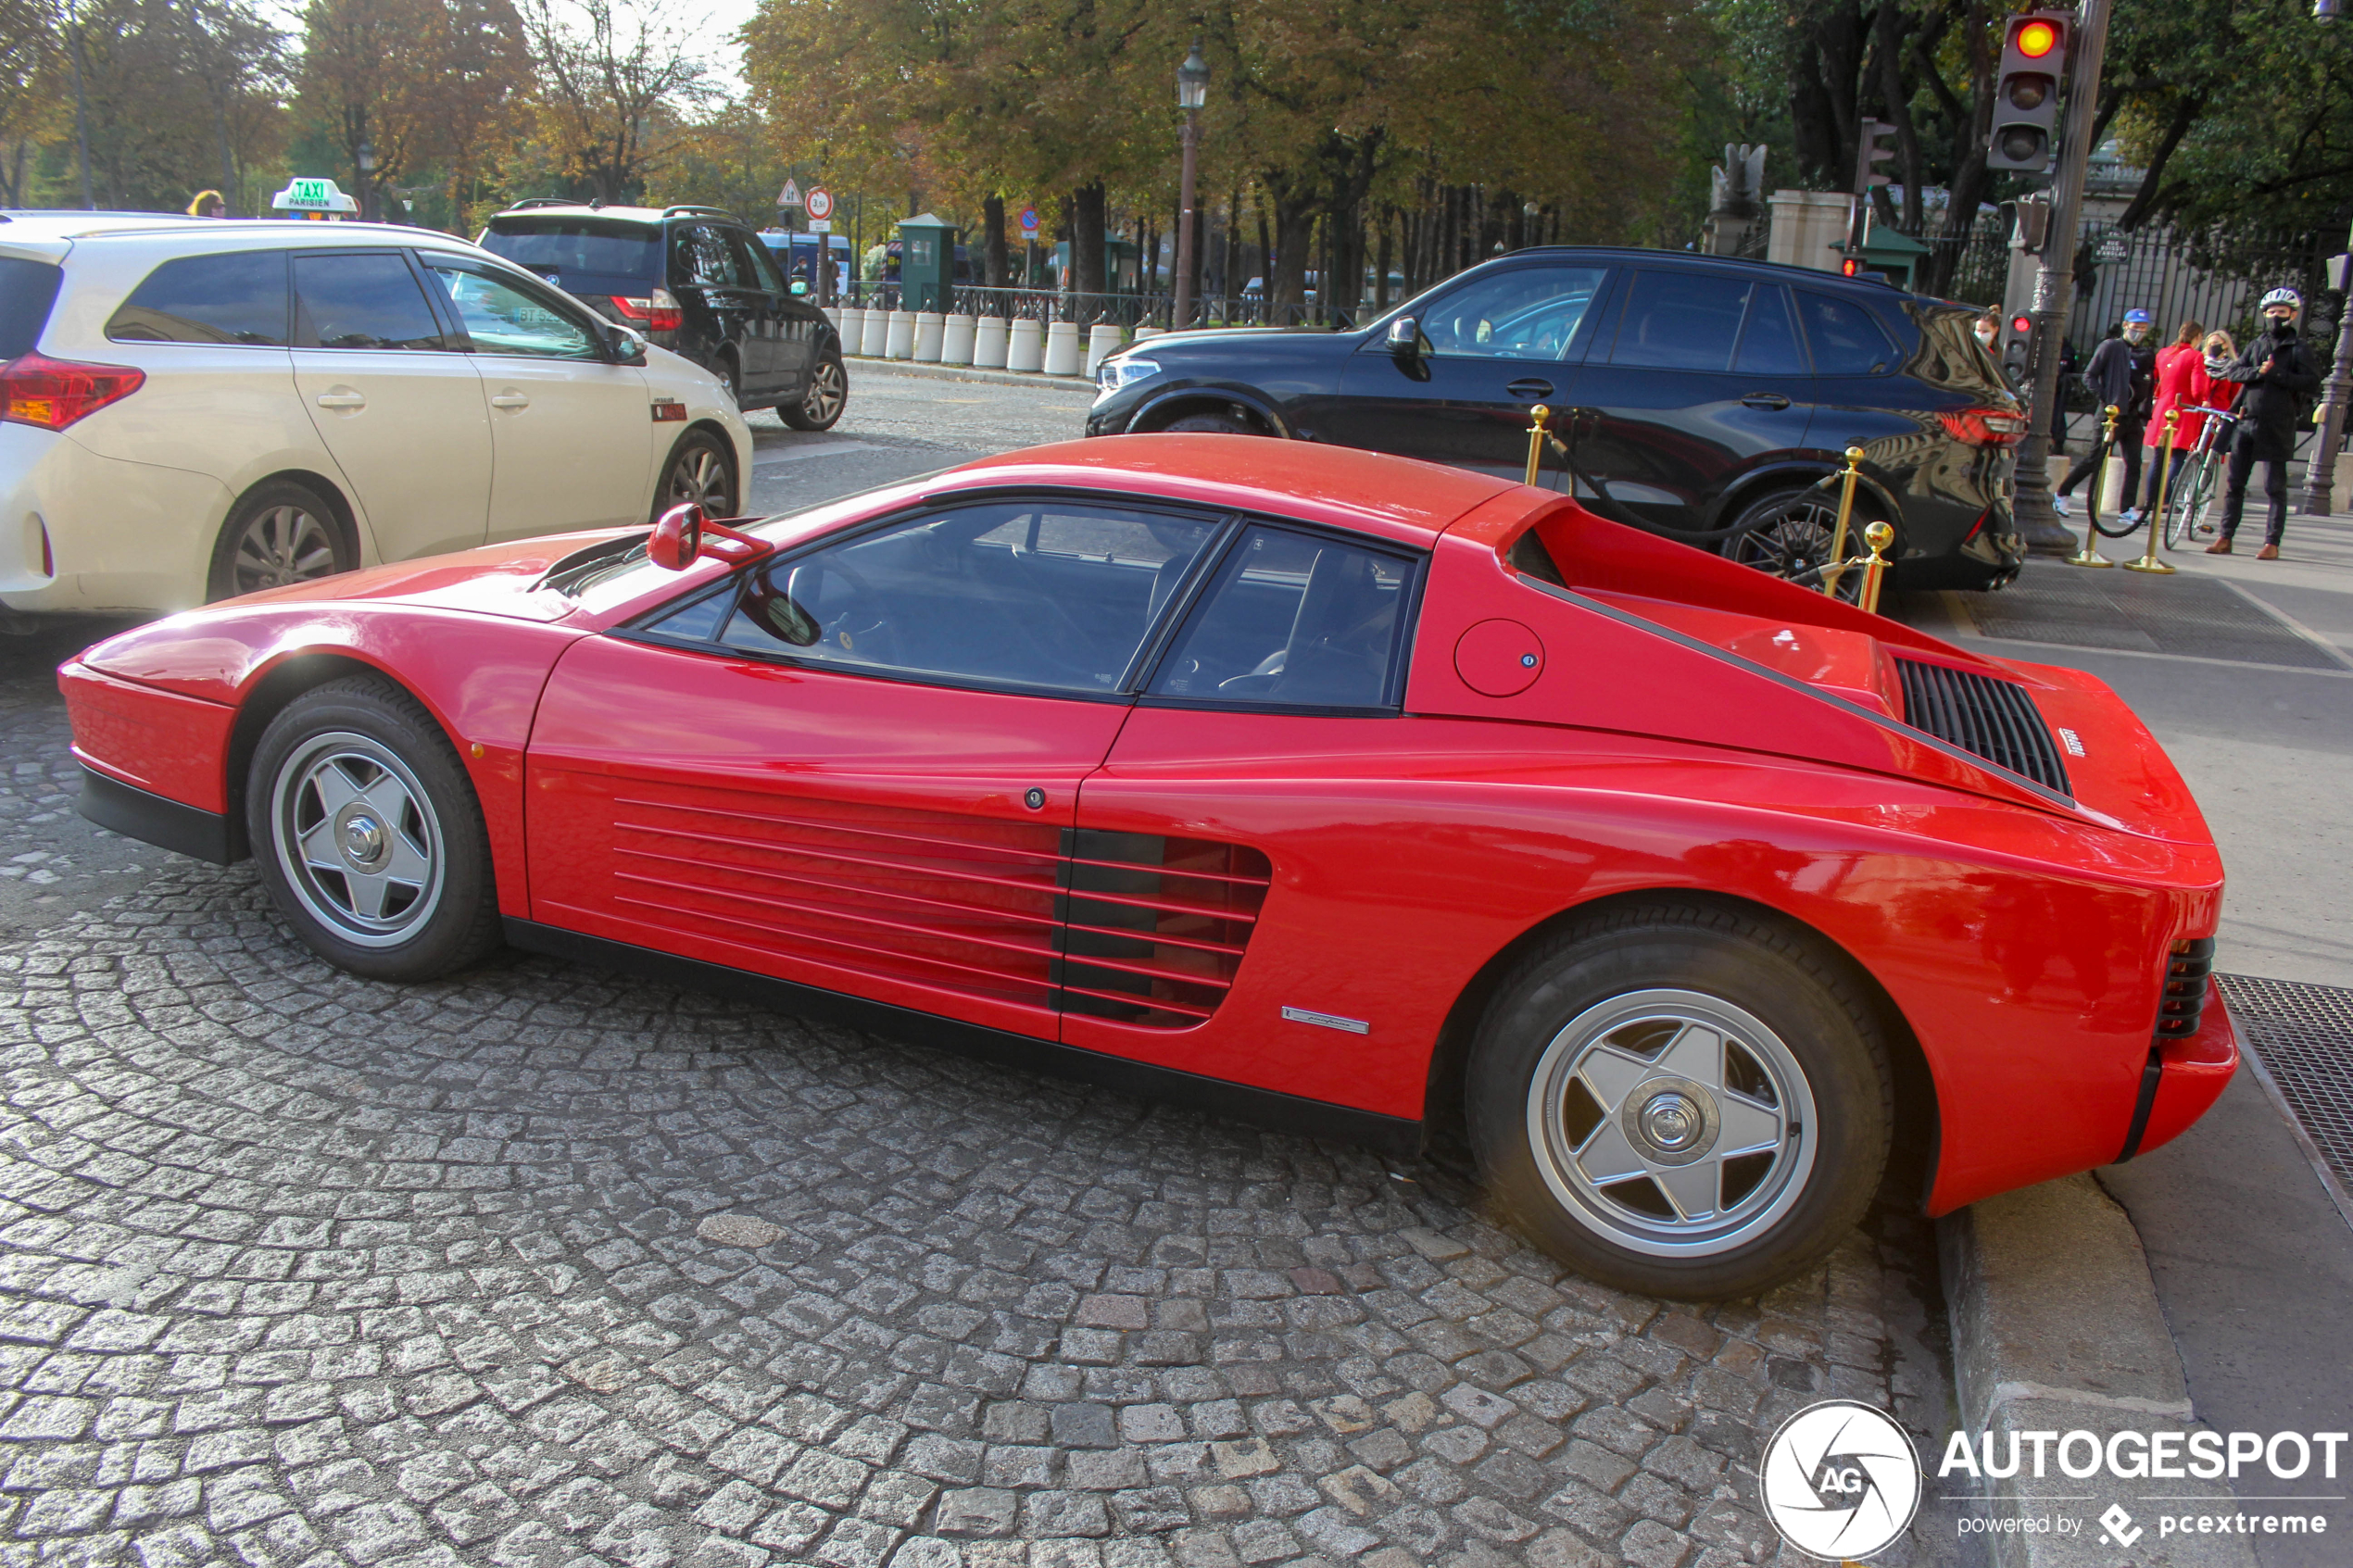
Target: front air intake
1985, 717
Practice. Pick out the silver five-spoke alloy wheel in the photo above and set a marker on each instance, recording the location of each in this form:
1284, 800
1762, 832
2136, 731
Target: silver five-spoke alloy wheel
828, 390
699, 474
1672, 1122
282, 544
357, 839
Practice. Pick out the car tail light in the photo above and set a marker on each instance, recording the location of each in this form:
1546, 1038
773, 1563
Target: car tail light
658, 312
53, 394
1985, 427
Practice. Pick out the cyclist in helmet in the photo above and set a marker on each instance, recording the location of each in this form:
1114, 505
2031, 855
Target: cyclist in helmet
2122, 372
2278, 373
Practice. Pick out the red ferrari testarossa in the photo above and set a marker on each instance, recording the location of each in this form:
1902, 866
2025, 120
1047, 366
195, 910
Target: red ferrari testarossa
1363, 797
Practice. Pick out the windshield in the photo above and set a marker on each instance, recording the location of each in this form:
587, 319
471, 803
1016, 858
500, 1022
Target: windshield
562, 248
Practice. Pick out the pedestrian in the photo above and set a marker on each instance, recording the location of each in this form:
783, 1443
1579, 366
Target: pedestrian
1988, 327
2181, 384
2278, 374
208, 205
2123, 376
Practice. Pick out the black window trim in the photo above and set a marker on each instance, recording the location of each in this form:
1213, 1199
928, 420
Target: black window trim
1789, 314
1227, 526
285, 329
453, 331
522, 282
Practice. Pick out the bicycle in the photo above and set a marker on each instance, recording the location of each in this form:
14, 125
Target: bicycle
2197, 476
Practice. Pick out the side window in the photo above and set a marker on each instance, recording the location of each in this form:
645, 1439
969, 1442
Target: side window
1769, 343
1056, 595
701, 254
1527, 313
1680, 322
501, 318
362, 299
759, 269
1297, 619
235, 298
1845, 339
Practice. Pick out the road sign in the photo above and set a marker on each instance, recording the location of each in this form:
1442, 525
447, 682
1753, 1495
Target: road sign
820, 225
1029, 223
821, 203
790, 195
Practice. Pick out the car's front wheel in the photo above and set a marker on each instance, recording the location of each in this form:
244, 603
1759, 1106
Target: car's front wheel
1209, 423
1681, 1101
822, 405
279, 532
702, 469
368, 834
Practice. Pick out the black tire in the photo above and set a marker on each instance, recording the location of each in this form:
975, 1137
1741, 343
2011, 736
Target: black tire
279, 532
1208, 423
700, 468
821, 406
1581, 1009
368, 834
1788, 533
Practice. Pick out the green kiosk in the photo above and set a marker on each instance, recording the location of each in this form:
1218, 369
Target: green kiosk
926, 263
1894, 256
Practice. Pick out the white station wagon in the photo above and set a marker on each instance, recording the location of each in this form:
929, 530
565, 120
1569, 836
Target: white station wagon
194, 408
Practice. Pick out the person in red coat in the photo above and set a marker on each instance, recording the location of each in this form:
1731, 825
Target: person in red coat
2182, 384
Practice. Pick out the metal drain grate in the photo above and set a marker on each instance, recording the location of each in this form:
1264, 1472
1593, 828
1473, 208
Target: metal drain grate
2304, 1035
2195, 617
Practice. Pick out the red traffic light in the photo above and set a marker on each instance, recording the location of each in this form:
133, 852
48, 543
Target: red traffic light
1849, 266
2021, 324
2036, 39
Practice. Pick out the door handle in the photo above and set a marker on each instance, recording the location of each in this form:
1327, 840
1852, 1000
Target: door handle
342, 397
1765, 400
511, 400
1528, 386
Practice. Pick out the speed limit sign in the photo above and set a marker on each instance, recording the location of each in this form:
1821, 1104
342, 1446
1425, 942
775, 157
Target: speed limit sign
821, 202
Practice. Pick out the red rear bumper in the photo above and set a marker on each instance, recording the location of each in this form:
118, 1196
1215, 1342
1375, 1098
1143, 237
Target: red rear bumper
2193, 1072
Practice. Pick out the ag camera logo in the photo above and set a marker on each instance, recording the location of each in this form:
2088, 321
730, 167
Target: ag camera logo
1840, 1480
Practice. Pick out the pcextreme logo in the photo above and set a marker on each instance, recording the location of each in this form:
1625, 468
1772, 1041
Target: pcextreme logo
1840, 1480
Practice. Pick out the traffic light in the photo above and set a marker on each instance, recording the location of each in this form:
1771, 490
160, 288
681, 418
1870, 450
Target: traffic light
2026, 95
1868, 153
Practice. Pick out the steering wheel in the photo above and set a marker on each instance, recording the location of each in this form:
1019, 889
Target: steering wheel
858, 628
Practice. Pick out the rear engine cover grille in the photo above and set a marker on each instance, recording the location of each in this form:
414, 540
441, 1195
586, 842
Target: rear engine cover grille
2184, 998
1155, 927
1992, 718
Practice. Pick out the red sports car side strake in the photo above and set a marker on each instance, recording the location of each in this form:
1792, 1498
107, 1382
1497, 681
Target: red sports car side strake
1364, 798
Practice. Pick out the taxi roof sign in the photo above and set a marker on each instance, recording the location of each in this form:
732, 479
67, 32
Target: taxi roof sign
307, 194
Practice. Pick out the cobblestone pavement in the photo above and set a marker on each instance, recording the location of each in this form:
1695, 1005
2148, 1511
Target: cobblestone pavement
541, 1267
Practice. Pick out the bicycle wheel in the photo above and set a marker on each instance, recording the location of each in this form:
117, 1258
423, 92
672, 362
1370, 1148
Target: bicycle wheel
2184, 495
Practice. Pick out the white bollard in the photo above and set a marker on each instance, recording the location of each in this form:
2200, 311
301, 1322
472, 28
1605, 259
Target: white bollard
1061, 349
990, 345
1101, 339
1026, 350
833, 313
853, 329
900, 343
1143, 332
930, 325
956, 343
877, 330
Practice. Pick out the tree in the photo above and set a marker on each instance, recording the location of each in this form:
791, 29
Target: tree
32, 94
615, 87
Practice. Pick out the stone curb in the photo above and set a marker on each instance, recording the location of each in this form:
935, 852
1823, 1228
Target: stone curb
2056, 1328
860, 362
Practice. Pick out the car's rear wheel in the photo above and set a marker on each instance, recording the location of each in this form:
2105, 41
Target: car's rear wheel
822, 405
1790, 533
1209, 423
1681, 1101
702, 469
279, 532
368, 834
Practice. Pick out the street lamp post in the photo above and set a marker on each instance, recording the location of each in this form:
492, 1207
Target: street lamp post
2320, 474
1192, 91
365, 156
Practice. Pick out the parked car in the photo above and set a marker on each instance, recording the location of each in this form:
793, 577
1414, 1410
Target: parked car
195, 409
695, 280
1363, 797
1702, 398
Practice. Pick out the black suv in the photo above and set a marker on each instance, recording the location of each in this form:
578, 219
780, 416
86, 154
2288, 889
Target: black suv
694, 280
1700, 398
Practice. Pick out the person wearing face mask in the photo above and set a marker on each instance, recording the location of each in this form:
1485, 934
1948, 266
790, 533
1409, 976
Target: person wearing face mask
2123, 374
1988, 327
2181, 384
2276, 373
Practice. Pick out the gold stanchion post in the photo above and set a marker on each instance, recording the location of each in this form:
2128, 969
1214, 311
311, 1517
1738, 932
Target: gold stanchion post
1879, 536
2088, 556
2148, 562
1536, 417
1836, 568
